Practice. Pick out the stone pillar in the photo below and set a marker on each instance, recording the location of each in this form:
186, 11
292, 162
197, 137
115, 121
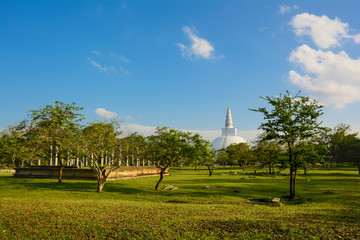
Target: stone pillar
120, 157
56, 162
50, 162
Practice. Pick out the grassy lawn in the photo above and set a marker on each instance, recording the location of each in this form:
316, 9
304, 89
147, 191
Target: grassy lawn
327, 207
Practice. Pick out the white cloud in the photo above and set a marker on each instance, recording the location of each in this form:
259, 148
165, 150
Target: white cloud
100, 67
324, 31
121, 57
284, 8
332, 78
200, 47
102, 112
123, 70
96, 52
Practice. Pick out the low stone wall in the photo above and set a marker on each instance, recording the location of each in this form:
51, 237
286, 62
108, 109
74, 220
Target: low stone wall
52, 172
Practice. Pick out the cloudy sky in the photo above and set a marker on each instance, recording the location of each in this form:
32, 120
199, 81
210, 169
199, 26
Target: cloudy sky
179, 63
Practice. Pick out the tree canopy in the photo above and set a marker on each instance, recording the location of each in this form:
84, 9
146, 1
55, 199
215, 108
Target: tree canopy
291, 120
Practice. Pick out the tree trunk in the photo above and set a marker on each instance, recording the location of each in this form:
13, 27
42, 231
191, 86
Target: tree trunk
101, 184
269, 168
292, 195
211, 170
101, 180
161, 177
13, 159
61, 173
305, 172
292, 182
358, 163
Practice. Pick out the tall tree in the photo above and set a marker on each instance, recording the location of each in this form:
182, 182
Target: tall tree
292, 120
53, 125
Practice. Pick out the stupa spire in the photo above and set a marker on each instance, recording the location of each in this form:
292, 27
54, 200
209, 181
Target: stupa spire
229, 121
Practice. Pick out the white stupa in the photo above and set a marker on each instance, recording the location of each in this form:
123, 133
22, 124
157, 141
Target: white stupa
229, 134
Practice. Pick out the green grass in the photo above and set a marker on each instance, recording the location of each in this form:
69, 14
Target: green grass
327, 207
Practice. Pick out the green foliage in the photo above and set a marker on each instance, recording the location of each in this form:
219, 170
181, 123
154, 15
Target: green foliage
349, 150
268, 153
291, 121
100, 145
54, 126
239, 154
15, 146
169, 146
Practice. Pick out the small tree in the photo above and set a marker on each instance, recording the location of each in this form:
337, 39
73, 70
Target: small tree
240, 154
169, 146
267, 153
14, 146
101, 147
292, 119
201, 153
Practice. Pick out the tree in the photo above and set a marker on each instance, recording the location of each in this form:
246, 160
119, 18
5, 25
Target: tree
349, 150
292, 120
222, 157
102, 149
201, 153
13, 146
240, 154
169, 146
134, 146
309, 152
267, 153
52, 126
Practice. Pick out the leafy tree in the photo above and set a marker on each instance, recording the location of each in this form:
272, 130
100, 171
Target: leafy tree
201, 153
134, 146
168, 146
102, 149
349, 150
222, 157
332, 139
268, 153
240, 154
292, 120
52, 126
308, 152
13, 145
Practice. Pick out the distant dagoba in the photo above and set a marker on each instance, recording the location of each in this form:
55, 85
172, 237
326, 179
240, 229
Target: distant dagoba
229, 134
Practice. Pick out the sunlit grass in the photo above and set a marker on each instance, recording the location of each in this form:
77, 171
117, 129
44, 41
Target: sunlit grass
217, 207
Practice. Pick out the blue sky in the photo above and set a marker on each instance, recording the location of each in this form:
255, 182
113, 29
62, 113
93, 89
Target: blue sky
179, 63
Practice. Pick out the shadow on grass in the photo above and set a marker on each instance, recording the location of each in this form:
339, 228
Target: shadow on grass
65, 186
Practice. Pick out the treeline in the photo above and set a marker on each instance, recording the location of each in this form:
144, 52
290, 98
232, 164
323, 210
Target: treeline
329, 147
55, 132
290, 140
